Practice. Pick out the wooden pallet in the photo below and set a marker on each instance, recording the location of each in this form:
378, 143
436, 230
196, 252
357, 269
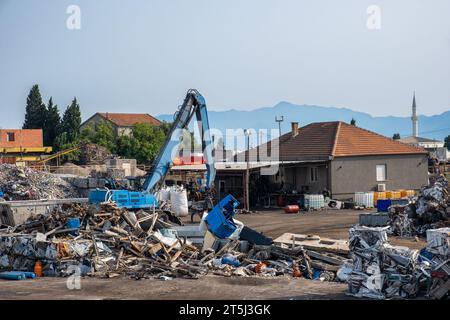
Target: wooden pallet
313, 242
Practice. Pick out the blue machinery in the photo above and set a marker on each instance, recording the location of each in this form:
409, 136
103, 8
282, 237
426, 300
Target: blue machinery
194, 104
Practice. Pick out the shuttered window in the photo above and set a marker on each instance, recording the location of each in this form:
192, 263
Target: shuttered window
381, 172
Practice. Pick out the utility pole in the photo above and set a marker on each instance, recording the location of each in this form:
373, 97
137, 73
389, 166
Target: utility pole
247, 172
280, 120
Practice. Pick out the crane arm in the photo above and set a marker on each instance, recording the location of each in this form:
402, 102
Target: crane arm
194, 103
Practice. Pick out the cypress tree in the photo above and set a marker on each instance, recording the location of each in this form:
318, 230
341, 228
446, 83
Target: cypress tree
52, 124
71, 121
35, 110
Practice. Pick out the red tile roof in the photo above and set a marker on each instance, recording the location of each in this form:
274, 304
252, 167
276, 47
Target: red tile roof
130, 119
321, 140
354, 141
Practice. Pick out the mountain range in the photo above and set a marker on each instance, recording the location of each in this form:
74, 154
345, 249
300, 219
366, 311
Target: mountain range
433, 127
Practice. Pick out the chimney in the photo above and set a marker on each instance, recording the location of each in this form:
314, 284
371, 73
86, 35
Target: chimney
294, 128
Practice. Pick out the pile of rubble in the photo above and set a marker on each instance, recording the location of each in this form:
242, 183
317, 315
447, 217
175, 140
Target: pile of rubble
108, 242
383, 271
19, 183
431, 210
94, 154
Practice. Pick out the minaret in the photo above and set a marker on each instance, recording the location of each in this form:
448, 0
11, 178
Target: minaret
415, 121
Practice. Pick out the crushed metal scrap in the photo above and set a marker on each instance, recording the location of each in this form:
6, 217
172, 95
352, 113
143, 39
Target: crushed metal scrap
109, 241
431, 210
380, 270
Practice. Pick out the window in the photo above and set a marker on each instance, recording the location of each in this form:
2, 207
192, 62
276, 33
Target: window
10, 136
313, 174
381, 172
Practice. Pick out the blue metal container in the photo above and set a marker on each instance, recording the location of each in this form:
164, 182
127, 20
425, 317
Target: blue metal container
220, 218
383, 205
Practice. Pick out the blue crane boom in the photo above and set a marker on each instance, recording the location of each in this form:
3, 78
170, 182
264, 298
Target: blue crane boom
194, 104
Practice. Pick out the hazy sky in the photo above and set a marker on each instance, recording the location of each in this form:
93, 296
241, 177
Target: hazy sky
142, 55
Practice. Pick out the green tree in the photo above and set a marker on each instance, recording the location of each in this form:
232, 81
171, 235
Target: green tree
166, 126
396, 136
62, 142
144, 144
52, 124
353, 122
447, 142
35, 110
102, 134
71, 121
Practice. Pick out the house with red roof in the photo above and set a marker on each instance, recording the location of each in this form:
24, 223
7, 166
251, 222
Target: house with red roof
122, 123
345, 159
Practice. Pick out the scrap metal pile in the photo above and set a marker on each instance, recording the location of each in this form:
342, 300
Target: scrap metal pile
109, 241
438, 250
383, 271
27, 184
431, 210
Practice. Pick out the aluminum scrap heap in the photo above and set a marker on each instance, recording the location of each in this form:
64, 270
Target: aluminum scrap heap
109, 241
383, 271
431, 210
23, 183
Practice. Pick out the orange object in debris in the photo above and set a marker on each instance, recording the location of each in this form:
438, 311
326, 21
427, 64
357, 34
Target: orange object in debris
259, 267
292, 209
296, 272
38, 269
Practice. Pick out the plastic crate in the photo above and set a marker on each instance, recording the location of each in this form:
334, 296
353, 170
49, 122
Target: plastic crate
220, 218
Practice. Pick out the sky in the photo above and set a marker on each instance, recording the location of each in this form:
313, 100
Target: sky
143, 55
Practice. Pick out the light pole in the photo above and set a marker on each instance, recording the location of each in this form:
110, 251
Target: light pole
279, 120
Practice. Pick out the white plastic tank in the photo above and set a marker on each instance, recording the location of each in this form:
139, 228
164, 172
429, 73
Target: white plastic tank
314, 201
364, 199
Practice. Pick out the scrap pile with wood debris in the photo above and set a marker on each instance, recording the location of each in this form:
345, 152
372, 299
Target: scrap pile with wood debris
107, 241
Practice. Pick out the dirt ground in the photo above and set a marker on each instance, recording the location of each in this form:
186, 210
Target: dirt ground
331, 224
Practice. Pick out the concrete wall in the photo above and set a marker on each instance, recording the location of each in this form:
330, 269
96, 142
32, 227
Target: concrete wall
353, 174
128, 165
14, 213
124, 131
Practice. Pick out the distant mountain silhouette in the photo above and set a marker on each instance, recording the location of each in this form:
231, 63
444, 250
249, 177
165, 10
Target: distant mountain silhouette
434, 127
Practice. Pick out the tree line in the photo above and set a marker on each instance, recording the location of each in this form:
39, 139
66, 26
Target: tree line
64, 132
